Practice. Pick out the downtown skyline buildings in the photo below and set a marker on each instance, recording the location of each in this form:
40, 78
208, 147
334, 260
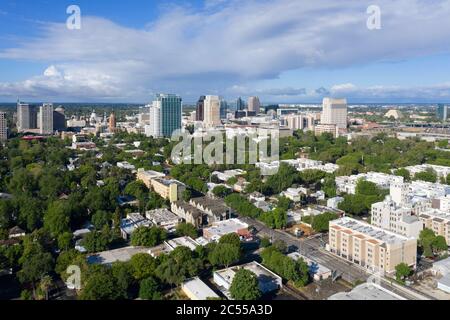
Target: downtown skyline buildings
165, 115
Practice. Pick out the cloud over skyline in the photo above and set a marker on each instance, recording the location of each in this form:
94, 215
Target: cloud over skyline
236, 48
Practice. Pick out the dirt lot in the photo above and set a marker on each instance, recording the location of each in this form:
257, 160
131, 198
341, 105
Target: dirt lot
429, 286
324, 289
307, 231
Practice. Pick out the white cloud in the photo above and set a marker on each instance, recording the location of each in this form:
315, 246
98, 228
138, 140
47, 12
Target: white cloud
52, 71
187, 50
343, 88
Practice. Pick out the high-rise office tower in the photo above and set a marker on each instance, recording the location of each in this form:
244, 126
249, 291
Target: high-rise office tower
59, 119
170, 113
26, 117
240, 104
442, 112
200, 109
45, 118
165, 115
3, 127
212, 111
254, 104
112, 122
154, 127
223, 108
334, 112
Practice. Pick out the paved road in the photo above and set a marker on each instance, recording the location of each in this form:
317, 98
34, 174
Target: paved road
313, 249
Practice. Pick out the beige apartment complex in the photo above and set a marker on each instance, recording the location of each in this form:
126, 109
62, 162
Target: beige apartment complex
167, 188
371, 247
438, 221
319, 129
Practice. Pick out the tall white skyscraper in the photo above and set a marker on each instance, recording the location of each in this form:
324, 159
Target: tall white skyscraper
212, 111
334, 112
45, 118
154, 128
3, 127
254, 104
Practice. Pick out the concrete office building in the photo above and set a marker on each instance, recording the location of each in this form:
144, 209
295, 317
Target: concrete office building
45, 118
59, 119
199, 113
212, 111
301, 121
254, 104
26, 117
371, 247
3, 127
334, 112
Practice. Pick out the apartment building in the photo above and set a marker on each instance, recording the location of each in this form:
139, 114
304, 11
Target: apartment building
146, 176
169, 189
347, 184
187, 212
389, 216
441, 171
321, 128
442, 203
398, 212
371, 247
438, 221
215, 209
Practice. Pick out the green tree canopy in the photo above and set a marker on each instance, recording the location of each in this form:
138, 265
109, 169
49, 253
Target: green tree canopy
245, 286
148, 236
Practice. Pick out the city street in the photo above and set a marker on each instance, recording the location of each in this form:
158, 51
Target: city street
313, 248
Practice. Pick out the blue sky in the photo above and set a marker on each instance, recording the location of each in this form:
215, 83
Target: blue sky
281, 50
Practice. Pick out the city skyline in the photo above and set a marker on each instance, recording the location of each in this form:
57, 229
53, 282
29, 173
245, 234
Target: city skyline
281, 51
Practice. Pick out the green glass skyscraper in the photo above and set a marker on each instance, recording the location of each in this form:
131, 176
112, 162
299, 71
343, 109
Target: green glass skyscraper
170, 106
442, 112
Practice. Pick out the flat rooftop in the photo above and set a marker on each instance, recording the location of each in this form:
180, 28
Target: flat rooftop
199, 289
369, 230
263, 274
227, 226
183, 241
366, 291
161, 215
122, 254
435, 214
314, 267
